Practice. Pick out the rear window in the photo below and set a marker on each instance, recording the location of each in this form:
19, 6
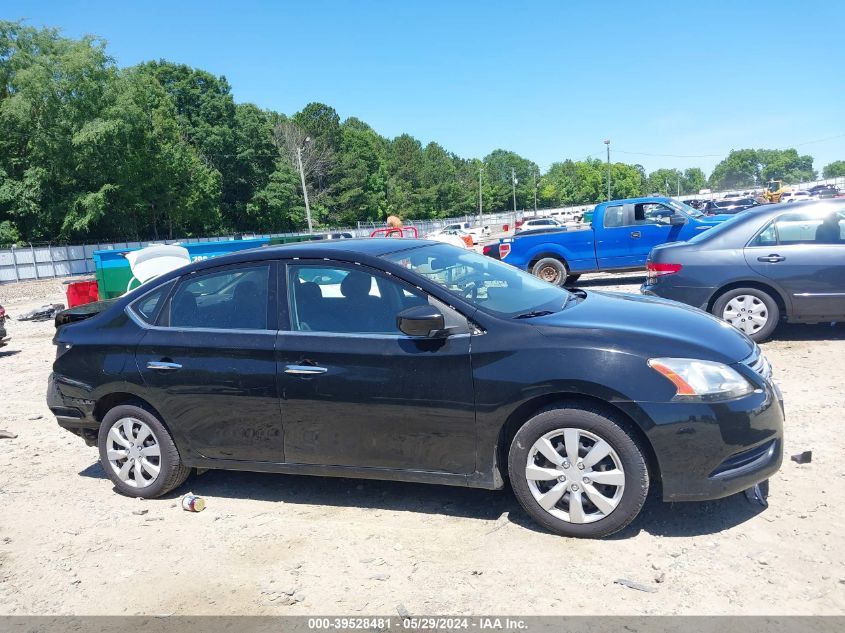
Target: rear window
147, 307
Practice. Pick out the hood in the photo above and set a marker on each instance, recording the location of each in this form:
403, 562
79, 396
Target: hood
713, 220
82, 312
649, 327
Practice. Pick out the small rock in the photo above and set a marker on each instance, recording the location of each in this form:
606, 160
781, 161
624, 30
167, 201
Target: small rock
366, 560
380, 576
803, 458
660, 578
140, 512
154, 519
7, 435
34, 417
634, 585
300, 597
402, 611
398, 547
655, 566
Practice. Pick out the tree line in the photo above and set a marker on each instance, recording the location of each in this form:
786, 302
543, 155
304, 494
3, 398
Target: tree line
93, 151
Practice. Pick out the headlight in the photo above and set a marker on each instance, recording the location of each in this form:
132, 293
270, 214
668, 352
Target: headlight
701, 379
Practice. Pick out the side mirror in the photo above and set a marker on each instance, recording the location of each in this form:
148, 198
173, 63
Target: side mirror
422, 321
677, 220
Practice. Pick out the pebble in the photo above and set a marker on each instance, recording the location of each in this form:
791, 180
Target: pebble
35, 417
380, 576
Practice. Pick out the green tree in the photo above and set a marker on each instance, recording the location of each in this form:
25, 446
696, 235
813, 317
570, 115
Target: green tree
664, 181
694, 181
834, 169
740, 169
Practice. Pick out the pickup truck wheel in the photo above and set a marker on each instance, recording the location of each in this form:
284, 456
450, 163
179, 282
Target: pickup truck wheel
750, 310
138, 454
577, 471
551, 270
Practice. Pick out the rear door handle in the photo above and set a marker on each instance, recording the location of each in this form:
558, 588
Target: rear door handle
163, 365
771, 259
635, 234
305, 370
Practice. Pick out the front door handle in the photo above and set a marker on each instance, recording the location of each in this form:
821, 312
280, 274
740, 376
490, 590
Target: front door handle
771, 259
636, 234
163, 365
304, 370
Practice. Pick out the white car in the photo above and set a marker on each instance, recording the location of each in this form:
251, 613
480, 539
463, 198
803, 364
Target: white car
795, 196
477, 232
539, 223
455, 237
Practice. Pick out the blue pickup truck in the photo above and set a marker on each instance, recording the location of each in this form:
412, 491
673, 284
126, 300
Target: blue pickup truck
620, 237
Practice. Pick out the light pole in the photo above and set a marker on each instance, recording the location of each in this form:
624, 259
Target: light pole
679, 185
513, 184
534, 178
480, 203
607, 142
304, 188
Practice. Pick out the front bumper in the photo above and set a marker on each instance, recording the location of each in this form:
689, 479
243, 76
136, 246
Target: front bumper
694, 296
713, 450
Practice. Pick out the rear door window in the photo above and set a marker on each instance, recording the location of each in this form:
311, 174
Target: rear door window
229, 299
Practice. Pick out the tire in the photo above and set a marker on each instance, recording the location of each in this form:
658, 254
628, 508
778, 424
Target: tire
551, 269
730, 305
115, 437
623, 500
571, 279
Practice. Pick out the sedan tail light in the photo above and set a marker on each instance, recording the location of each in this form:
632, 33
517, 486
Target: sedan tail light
504, 249
659, 269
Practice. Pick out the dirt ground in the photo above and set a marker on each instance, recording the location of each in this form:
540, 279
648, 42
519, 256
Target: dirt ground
280, 544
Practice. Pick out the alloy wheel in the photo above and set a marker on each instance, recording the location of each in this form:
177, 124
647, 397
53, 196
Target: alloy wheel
746, 313
133, 452
575, 475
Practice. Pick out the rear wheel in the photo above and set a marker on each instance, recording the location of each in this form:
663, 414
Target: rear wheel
551, 269
750, 310
577, 472
138, 453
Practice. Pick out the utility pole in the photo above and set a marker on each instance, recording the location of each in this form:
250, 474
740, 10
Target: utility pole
534, 178
607, 142
304, 188
513, 184
679, 185
480, 203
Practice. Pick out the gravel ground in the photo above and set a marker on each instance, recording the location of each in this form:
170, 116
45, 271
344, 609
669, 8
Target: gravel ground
279, 544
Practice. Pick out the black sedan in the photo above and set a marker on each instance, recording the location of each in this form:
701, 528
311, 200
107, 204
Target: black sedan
417, 361
775, 262
729, 206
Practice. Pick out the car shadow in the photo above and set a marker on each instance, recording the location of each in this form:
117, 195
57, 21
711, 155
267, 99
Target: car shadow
657, 518
801, 332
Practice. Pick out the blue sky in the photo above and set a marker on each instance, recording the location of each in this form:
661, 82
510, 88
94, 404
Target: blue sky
547, 79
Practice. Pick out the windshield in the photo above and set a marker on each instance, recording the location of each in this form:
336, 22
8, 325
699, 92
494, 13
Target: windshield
685, 209
488, 283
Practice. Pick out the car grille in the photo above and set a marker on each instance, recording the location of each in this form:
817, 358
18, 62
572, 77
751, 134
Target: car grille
759, 363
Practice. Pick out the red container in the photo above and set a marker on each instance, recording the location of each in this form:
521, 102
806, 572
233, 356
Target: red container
505, 227
82, 292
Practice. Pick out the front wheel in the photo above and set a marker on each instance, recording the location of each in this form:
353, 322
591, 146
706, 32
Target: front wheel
138, 453
750, 310
552, 270
577, 472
